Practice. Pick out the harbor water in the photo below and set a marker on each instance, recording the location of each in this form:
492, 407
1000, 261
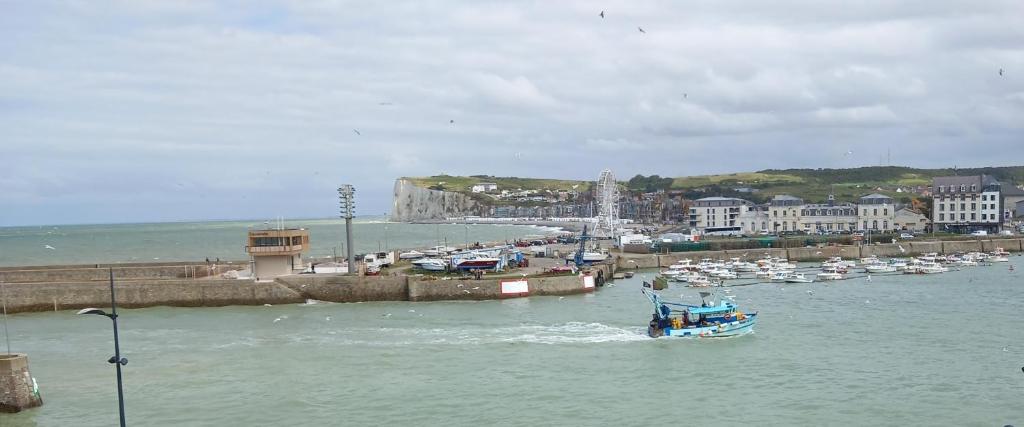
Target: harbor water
901, 350
193, 241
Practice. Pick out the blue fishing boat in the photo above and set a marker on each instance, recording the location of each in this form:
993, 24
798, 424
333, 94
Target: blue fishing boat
707, 320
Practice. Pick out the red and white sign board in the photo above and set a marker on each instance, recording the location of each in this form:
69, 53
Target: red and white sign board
515, 288
588, 282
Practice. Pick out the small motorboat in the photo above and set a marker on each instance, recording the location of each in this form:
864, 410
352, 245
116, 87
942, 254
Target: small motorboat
708, 320
880, 268
830, 273
430, 264
411, 255
798, 278
628, 274
477, 263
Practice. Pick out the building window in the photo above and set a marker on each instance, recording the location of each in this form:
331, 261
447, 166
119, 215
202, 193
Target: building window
874, 224
974, 187
984, 217
885, 211
963, 187
885, 225
963, 217
865, 225
974, 216
875, 212
942, 217
963, 206
942, 206
974, 206
942, 189
984, 197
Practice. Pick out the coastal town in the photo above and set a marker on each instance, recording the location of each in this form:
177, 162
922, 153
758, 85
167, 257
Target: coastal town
950, 204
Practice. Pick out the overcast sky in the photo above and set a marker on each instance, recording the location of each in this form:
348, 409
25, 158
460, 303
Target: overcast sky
137, 110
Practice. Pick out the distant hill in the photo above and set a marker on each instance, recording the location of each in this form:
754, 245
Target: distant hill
813, 185
847, 184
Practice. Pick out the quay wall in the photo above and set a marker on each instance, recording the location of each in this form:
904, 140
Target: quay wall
25, 297
918, 248
446, 290
344, 288
964, 246
121, 272
38, 296
1011, 245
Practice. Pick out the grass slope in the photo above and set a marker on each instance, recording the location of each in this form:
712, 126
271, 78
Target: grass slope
813, 185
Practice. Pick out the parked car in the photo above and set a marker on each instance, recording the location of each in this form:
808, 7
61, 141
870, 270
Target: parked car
906, 236
858, 234
980, 233
1006, 233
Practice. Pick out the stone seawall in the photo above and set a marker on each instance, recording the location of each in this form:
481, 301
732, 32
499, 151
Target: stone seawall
29, 297
24, 297
87, 273
341, 288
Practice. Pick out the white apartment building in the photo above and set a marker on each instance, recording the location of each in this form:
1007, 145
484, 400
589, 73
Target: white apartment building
962, 204
784, 211
877, 213
828, 217
718, 215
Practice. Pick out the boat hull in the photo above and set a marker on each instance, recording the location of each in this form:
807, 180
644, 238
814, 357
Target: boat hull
734, 328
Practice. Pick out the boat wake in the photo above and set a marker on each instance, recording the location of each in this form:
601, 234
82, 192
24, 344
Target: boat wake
571, 333
566, 333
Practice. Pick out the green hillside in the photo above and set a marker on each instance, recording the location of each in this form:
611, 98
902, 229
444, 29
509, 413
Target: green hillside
813, 185
462, 184
847, 184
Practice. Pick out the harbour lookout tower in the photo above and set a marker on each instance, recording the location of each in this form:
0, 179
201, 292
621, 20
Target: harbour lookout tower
277, 252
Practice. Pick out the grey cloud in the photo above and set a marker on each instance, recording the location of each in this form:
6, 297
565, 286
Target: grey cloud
107, 107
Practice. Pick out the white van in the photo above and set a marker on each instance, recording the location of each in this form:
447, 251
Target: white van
980, 233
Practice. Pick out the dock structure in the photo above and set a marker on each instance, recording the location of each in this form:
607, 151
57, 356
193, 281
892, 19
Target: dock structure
277, 252
18, 390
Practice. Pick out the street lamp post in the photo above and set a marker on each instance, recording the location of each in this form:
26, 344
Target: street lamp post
346, 197
117, 360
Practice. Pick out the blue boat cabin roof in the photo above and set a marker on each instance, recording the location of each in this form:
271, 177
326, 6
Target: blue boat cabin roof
721, 308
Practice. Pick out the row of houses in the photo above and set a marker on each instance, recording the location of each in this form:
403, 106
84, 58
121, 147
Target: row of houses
960, 204
784, 213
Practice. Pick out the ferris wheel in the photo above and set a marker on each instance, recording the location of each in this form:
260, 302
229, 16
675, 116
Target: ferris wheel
607, 204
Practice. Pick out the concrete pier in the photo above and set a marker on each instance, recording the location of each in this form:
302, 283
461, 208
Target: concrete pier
17, 388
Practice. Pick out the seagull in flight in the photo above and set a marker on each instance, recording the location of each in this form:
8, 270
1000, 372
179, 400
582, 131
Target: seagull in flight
357, 132
1000, 71
641, 30
452, 121
848, 152
601, 14
49, 247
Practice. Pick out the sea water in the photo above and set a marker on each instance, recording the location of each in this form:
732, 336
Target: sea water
195, 241
899, 350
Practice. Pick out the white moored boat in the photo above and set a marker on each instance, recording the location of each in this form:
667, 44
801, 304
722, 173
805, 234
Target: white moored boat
798, 278
411, 255
430, 264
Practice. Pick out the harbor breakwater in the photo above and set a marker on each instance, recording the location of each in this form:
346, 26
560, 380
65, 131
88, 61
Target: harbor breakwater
34, 296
